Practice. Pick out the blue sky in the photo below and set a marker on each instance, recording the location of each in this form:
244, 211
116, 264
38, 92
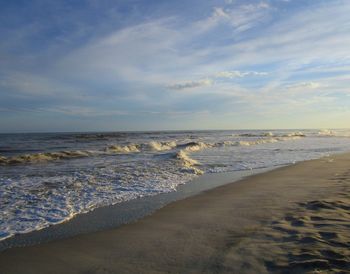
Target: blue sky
153, 65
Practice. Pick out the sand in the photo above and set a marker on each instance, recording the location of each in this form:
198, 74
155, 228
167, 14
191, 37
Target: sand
295, 219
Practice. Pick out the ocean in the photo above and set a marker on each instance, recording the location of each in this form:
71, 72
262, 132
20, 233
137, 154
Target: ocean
47, 178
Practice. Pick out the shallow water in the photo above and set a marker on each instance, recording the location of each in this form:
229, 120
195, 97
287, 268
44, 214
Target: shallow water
46, 179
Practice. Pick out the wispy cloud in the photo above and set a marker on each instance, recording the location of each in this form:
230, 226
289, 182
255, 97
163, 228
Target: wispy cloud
304, 86
239, 74
191, 84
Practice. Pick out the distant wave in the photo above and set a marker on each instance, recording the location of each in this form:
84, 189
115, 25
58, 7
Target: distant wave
182, 150
326, 132
334, 133
270, 134
43, 157
295, 134
258, 141
264, 134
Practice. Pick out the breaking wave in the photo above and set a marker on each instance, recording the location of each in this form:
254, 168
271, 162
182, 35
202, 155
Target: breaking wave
43, 157
326, 132
161, 146
195, 146
189, 164
123, 149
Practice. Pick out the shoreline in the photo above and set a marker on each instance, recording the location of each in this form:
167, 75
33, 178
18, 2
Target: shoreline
262, 223
114, 216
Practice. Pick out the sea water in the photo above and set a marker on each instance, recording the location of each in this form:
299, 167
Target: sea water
47, 178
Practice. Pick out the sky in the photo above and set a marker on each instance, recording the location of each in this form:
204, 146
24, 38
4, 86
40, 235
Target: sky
102, 65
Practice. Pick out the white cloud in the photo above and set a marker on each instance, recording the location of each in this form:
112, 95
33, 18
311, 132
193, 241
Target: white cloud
220, 13
239, 17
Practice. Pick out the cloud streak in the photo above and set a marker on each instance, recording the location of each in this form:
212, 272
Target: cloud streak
239, 74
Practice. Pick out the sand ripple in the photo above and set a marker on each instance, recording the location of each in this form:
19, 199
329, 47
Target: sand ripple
315, 238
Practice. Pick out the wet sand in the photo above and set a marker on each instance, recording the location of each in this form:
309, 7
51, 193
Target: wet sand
294, 219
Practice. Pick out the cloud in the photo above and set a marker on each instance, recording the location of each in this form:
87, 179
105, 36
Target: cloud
293, 50
210, 80
191, 84
304, 86
239, 17
239, 74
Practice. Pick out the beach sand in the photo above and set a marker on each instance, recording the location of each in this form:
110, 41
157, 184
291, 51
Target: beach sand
294, 219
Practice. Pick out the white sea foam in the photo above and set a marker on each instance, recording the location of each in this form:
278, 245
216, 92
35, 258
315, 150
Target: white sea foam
260, 141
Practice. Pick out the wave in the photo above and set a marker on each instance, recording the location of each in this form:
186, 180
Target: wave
161, 146
270, 134
123, 149
192, 165
258, 141
326, 132
189, 164
295, 134
195, 146
264, 134
342, 133
63, 155
134, 148
43, 157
